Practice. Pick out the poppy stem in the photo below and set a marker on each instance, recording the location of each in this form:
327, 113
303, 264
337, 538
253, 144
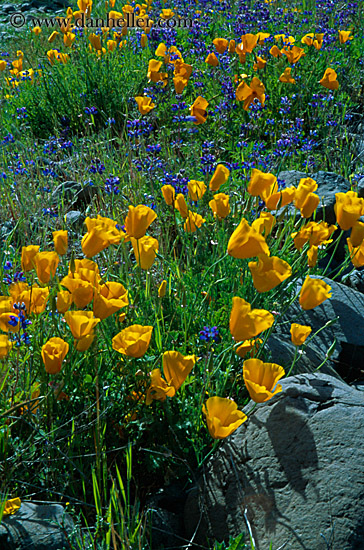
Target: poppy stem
252, 409
333, 253
214, 446
293, 362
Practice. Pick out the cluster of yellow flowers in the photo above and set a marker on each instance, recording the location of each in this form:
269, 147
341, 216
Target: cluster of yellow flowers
222, 414
244, 92
17, 71
182, 71
196, 190
83, 284
247, 323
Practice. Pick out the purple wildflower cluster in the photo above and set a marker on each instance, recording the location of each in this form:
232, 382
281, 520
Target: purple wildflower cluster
210, 334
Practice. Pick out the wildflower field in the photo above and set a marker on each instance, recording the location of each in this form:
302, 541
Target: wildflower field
148, 246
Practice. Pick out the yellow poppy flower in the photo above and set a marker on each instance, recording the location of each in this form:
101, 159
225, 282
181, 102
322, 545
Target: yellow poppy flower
193, 222
28, 254
249, 41
162, 289
138, 220
264, 224
212, 60
145, 104
269, 272
312, 254
219, 177
348, 209
53, 353
344, 36
81, 323
196, 189
198, 110
287, 77
181, 205
5, 345
111, 297
246, 242
293, 53
145, 251
245, 322
101, 233
221, 44
64, 301
329, 80
299, 333
11, 506
46, 264
60, 239
356, 255
313, 293
249, 93
262, 184
222, 416
169, 194
249, 346
261, 379
357, 234
133, 341
220, 205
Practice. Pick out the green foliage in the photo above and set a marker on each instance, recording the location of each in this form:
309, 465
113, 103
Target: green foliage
236, 543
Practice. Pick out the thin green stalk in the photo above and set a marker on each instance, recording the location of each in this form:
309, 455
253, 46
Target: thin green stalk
333, 252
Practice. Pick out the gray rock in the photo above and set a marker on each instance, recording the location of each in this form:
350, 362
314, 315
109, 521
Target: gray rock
282, 351
8, 8
293, 473
345, 304
360, 187
292, 177
77, 194
25, 6
67, 191
74, 217
36, 527
359, 146
6, 229
85, 196
355, 280
61, 3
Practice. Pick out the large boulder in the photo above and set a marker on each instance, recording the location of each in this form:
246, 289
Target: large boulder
37, 527
292, 474
282, 351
